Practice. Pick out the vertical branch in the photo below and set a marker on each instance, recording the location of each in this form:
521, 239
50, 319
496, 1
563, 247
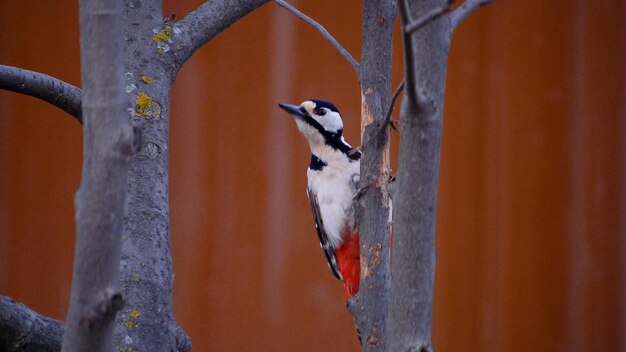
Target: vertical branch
108, 144
415, 202
146, 322
369, 307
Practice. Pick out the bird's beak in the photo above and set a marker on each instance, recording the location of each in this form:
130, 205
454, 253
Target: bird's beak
296, 111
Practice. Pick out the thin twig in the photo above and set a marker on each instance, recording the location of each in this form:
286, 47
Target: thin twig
395, 96
323, 32
409, 58
47, 88
469, 6
417, 99
428, 17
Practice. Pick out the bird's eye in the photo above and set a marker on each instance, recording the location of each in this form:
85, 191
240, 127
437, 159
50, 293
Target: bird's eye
320, 111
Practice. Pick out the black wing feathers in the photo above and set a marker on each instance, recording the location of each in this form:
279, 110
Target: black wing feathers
321, 234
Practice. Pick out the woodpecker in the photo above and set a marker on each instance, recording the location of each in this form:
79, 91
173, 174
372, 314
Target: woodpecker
331, 179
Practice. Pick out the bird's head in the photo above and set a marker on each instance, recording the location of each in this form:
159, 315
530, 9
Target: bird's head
319, 121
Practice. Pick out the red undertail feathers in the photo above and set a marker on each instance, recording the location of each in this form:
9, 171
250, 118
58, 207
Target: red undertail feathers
348, 260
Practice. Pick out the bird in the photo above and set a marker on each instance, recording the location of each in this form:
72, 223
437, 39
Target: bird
332, 179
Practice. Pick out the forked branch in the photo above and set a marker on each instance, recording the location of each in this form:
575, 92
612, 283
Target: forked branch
325, 34
432, 15
47, 88
416, 98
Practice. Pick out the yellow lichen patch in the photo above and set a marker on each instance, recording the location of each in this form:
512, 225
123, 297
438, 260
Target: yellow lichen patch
130, 324
136, 277
146, 79
146, 106
162, 38
164, 34
134, 314
143, 103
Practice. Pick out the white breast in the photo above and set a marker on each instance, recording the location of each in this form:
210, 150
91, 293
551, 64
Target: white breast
335, 195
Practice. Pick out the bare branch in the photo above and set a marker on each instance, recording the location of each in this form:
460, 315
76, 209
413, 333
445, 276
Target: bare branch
417, 99
415, 191
318, 27
409, 57
207, 21
465, 10
369, 307
428, 17
395, 96
47, 88
108, 143
22, 329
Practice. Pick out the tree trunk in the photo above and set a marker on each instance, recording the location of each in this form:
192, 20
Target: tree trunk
156, 48
122, 206
369, 307
147, 322
108, 144
415, 202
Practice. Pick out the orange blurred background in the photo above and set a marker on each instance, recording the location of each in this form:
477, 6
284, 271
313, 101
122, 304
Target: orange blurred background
532, 213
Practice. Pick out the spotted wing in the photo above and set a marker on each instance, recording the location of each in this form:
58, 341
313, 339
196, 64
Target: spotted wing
329, 252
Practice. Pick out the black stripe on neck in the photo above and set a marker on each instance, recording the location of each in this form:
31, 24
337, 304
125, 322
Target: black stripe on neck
316, 164
333, 139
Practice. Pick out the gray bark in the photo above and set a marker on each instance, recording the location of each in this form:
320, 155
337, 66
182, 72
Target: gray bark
49, 89
369, 307
156, 48
426, 46
153, 50
108, 144
23, 330
146, 322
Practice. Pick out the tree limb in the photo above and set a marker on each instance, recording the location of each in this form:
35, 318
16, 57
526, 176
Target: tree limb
469, 6
24, 330
108, 143
370, 306
416, 98
325, 34
47, 88
394, 98
409, 57
428, 17
207, 21
415, 198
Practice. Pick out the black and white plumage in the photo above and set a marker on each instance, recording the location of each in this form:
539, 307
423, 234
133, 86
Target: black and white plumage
333, 168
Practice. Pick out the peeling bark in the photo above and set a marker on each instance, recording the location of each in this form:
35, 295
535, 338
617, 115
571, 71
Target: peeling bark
369, 307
